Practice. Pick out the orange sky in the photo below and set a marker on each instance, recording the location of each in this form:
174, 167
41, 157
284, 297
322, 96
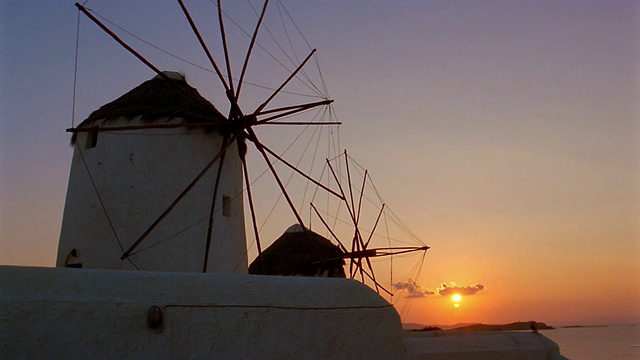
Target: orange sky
505, 135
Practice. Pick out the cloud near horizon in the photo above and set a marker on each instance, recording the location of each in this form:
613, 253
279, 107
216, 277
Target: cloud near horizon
412, 288
453, 288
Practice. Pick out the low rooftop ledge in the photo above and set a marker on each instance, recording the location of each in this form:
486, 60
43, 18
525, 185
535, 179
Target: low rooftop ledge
481, 345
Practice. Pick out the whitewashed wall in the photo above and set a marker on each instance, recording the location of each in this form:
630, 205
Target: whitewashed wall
480, 345
79, 313
138, 174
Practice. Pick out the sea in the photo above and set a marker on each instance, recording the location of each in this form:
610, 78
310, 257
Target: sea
616, 342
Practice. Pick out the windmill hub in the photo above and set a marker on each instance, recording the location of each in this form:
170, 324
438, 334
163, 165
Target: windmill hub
248, 121
241, 123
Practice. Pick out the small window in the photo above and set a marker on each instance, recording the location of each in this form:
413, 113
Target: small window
226, 206
92, 140
73, 259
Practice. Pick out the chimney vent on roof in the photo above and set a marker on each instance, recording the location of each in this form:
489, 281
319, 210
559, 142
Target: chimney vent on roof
172, 75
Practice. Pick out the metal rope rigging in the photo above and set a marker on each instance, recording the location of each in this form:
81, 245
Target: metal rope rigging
102, 206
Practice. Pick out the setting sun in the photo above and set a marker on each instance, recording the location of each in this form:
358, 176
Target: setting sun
456, 300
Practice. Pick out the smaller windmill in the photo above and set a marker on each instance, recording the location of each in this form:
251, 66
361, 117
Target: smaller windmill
300, 252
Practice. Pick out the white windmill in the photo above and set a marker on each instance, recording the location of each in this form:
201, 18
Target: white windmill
162, 163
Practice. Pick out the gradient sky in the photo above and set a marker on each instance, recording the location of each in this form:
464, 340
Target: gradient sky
504, 133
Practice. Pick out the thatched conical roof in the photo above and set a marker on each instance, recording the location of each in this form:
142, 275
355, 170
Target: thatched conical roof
296, 253
159, 98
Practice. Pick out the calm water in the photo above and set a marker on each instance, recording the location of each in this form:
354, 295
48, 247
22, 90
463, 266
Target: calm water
617, 342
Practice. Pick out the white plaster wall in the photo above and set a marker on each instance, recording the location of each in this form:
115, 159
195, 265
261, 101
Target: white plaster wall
81, 313
480, 345
138, 175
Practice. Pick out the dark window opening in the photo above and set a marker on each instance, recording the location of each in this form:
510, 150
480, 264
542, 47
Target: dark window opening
92, 140
73, 259
226, 206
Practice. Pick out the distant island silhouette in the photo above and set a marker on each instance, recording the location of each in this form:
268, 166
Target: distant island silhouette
583, 326
514, 326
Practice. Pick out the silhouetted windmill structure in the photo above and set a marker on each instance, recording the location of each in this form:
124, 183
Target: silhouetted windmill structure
168, 102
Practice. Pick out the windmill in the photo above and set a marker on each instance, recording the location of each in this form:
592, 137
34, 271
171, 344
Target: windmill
238, 135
